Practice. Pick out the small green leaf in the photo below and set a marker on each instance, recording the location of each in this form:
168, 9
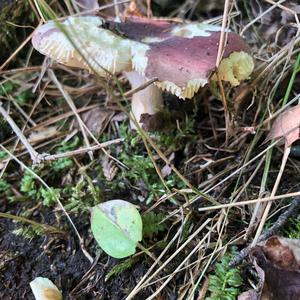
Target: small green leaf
117, 227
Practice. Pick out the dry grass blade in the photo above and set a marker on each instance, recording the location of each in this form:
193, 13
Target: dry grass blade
247, 202
200, 244
292, 211
73, 108
274, 190
79, 151
35, 157
145, 280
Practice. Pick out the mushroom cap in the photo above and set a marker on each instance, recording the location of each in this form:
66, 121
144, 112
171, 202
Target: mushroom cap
142, 29
183, 65
182, 56
86, 5
81, 42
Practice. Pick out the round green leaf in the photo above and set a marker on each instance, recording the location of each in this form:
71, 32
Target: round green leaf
117, 227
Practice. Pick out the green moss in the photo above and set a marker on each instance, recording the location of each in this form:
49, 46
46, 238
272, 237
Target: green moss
224, 283
122, 267
29, 232
293, 229
140, 170
82, 196
5, 187
29, 185
152, 224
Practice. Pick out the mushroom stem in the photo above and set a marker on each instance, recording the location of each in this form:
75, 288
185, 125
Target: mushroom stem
146, 101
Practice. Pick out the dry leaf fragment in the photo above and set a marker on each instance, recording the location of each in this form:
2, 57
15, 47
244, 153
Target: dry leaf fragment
286, 126
96, 119
132, 10
109, 168
167, 169
279, 258
249, 295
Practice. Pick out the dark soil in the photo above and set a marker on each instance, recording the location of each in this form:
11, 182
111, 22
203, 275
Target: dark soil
62, 261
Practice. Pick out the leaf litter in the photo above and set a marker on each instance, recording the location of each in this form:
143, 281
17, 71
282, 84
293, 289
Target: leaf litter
286, 126
277, 262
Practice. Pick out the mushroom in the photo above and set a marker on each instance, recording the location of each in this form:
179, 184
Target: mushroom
181, 56
44, 289
87, 5
146, 101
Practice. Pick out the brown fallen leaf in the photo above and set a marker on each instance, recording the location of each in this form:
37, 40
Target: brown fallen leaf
96, 119
109, 168
285, 253
279, 258
286, 126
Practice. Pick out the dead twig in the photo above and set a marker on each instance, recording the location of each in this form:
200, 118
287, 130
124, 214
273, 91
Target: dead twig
35, 156
82, 150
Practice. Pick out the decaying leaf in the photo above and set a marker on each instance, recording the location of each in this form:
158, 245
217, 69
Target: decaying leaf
260, 292
279, 258
249, 295
286, 126
161, 121
278, 24
285, 253
109, 168
96, 119
153, 122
